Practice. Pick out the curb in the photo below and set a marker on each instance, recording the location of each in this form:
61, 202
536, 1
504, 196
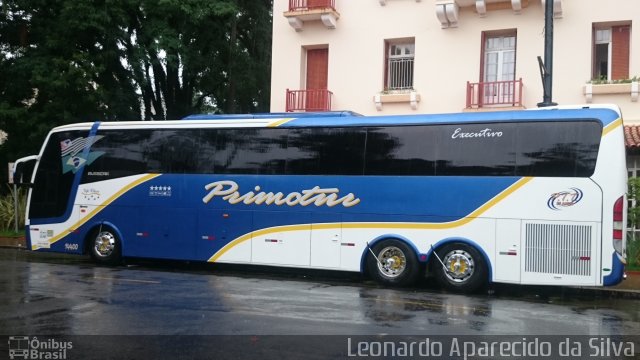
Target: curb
607, 292
13, 242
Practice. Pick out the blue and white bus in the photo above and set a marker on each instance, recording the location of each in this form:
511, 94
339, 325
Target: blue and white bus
521, 197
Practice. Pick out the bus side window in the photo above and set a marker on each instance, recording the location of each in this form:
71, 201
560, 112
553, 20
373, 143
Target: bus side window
401, 150
172, 151
558, 149
118, 153
476, 150
326, 151
250, 151
205, 157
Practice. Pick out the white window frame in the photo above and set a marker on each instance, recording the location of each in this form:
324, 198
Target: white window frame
493, 92
400, 65
603, 35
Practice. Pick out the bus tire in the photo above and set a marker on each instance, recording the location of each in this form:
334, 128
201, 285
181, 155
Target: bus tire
397, 265
466, 268
105, 246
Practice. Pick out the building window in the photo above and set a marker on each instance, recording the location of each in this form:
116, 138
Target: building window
611, 52
399, 65
499, 58
499, 68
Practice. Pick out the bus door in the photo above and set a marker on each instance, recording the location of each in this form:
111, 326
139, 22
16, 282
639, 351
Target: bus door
326, 240
217, 230
281, 238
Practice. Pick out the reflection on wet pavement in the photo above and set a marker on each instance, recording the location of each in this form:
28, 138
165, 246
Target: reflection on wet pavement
69, 295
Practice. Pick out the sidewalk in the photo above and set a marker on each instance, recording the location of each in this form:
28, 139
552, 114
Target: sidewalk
629, 288
632, 283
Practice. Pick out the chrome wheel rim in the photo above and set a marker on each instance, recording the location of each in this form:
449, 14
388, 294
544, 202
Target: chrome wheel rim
460, 266
392, 262
104, 244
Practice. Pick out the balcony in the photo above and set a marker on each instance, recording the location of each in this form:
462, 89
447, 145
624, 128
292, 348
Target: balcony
494, 94
309, 100
301, 11
449, 12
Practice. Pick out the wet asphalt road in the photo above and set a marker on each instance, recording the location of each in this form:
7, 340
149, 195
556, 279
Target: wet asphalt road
68, 296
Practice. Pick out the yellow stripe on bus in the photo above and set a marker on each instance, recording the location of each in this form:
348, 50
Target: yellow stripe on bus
280, 122
614, 125
355, 225
99, 208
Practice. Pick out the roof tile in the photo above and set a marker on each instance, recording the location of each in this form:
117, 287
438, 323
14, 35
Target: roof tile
632, 136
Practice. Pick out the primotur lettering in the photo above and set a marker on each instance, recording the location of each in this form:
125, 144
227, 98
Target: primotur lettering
229, 191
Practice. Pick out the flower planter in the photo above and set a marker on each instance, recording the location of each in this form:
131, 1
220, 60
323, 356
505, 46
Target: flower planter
411, 97
630, 88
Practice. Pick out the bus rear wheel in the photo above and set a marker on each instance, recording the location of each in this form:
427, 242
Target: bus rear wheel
104, 246
463, 268
394, 263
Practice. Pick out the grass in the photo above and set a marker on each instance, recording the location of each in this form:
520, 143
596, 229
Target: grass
11, 233
633, 253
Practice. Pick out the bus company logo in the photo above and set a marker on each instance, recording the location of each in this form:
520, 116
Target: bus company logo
563, 199
23, 347
70, 150
229, 191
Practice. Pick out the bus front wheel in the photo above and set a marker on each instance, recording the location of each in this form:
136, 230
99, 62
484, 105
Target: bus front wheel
105, 246
460, 268
392, 262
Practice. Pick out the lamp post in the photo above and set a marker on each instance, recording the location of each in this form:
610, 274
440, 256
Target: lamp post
546, 67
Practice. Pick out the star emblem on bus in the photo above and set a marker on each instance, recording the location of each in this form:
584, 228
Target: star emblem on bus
160, 191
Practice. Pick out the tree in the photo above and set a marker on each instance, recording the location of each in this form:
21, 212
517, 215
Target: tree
185, 55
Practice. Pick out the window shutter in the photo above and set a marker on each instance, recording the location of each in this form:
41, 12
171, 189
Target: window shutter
620, 37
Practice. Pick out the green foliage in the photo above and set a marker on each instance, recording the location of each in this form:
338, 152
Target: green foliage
633, 220
7, 209
11, 233
603, 80
633, 252
633, 192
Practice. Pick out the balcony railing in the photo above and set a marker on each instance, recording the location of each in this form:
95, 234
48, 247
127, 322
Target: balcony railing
301, 5
498, 93
309, 100
400, 75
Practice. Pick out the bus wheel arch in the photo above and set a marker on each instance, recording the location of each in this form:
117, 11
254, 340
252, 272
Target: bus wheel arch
466, 266
104, 244
392, 261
